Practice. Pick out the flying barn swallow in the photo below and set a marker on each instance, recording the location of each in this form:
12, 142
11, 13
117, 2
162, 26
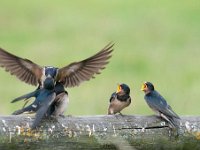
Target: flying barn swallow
159, 105
119, 99
70, 75
43, 100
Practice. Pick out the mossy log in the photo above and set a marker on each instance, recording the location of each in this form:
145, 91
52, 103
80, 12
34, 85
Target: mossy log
99, 132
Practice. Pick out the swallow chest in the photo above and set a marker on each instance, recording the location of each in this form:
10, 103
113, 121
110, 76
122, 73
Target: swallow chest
117, 104
120, 104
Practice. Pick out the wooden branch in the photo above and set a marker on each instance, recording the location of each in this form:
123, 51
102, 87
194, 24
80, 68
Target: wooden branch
99, 132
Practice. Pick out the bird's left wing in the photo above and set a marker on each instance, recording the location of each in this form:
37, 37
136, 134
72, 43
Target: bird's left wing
77, 72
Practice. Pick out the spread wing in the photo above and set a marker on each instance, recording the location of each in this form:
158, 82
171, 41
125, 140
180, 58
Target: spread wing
23, 69
77, 72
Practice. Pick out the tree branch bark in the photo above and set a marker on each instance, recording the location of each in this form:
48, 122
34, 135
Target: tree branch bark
99, 132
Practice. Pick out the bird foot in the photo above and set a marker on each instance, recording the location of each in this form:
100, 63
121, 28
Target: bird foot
17, 112
53, 117
62, 116
68, 116
121, 114
56, 117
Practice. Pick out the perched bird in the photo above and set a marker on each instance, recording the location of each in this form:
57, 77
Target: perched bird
159, 105
119, 99
70, 75
43, 100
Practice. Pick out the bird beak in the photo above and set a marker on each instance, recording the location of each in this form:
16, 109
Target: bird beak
144, 87
118, 88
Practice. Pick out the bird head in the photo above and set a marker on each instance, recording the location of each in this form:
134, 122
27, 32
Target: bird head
123, 89
51, 72
147, 87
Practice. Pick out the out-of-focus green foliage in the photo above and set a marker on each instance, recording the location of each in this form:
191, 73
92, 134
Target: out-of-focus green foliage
157, 41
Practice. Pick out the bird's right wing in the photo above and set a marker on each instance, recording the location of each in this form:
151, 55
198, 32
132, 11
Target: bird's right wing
23, 69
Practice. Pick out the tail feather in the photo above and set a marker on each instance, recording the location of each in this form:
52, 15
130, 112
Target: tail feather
173, 121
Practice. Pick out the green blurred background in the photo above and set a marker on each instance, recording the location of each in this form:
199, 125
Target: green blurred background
157, 41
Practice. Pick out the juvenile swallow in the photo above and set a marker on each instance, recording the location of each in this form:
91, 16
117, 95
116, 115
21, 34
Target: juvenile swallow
159, 105
70, 75
43, 100
119, 99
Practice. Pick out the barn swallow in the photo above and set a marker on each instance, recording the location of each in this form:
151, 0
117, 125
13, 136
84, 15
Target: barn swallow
70, 75
43, 100
159, 105
119, 99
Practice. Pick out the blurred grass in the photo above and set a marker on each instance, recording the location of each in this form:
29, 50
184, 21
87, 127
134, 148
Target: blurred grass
155, 41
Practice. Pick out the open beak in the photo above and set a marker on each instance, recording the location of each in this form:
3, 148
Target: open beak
144, 87
118, 88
